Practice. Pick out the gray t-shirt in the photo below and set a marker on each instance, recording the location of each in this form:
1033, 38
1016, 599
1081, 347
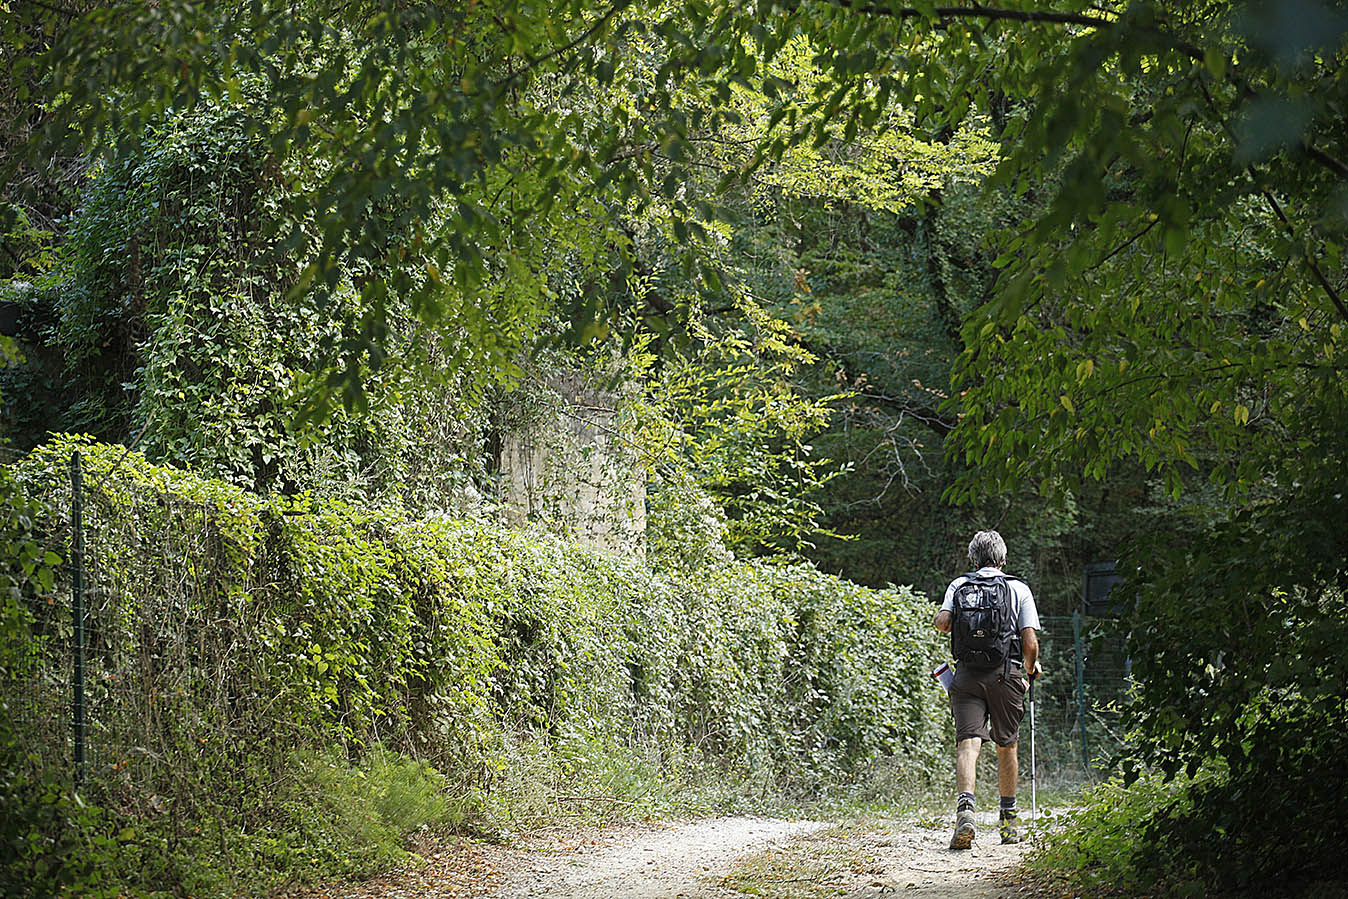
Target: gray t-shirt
1027, 615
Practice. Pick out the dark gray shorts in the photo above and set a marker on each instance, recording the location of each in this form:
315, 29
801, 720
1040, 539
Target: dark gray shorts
987, 705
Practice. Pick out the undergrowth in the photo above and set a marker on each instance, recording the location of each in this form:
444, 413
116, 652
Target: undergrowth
1096, 851
1176, 838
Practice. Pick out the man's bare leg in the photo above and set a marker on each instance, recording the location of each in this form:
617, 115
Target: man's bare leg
1008, 761
966, 763
966, 766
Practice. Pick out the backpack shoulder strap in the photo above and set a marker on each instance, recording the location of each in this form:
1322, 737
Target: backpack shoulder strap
970, 578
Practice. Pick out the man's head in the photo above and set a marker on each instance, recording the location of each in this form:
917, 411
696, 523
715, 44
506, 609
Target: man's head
987, 549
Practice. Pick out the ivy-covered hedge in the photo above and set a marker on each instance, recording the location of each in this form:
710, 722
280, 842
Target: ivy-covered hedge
245, 653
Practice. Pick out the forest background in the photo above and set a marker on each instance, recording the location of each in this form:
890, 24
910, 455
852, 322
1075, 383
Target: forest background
853, 280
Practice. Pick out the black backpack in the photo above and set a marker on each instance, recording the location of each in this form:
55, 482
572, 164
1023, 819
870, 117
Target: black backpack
984, 628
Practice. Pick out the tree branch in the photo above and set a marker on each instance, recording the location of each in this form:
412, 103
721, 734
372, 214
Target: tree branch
69, 14
634, 150
1249, 94
1319, 156
1125, 245
978, 11
580, 39
1315, 269
929, 416
1324, 159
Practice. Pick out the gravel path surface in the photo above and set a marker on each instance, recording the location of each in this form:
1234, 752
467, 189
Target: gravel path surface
709, 858
914, 860
683, 861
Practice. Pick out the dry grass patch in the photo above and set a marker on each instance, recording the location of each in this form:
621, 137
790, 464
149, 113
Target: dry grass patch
828, 862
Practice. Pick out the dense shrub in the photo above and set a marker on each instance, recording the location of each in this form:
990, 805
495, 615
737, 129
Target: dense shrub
1099, 852
163, 313
1178, 836
246, 653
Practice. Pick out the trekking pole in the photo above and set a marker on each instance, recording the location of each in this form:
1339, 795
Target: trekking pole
1034, 799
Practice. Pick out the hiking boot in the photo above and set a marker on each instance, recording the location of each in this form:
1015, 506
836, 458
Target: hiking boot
1009, 825
964, 829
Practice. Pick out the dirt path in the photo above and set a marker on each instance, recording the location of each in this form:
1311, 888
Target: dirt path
881, 858
710, 858
688, 860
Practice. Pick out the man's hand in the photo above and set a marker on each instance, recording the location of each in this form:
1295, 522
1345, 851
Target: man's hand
1033, 674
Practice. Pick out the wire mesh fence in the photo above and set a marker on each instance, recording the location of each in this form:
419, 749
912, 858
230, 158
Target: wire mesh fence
191, 722
39, 692
1079, 701
139, 650
137, 653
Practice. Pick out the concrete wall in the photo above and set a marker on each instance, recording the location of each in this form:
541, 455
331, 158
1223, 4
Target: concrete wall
571, 470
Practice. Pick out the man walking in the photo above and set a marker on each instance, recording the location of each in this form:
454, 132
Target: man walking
992, 620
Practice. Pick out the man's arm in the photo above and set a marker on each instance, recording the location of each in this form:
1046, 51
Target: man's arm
1029, 648
945, 619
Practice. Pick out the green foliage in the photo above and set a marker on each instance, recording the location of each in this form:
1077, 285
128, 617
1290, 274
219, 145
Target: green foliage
1207, 691
168, 322
438, 153
48, 835
877, 298
454, 159
350, 820
1198, 834
1169, 312
51, 838
1101, 851
291, 655
727, 419
1173, 274
1176, 306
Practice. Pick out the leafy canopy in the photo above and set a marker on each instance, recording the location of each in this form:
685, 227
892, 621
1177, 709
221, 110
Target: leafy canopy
424, 149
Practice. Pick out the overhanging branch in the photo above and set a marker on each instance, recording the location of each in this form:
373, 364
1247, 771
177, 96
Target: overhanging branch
1325, 159
978, 11
1306, 254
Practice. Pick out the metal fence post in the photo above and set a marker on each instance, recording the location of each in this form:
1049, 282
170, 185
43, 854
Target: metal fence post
1081, 689
77, 609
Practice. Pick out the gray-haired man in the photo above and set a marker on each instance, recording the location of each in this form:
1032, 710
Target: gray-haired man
987, 696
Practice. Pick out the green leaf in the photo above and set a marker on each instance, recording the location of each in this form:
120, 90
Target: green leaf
1214, 58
